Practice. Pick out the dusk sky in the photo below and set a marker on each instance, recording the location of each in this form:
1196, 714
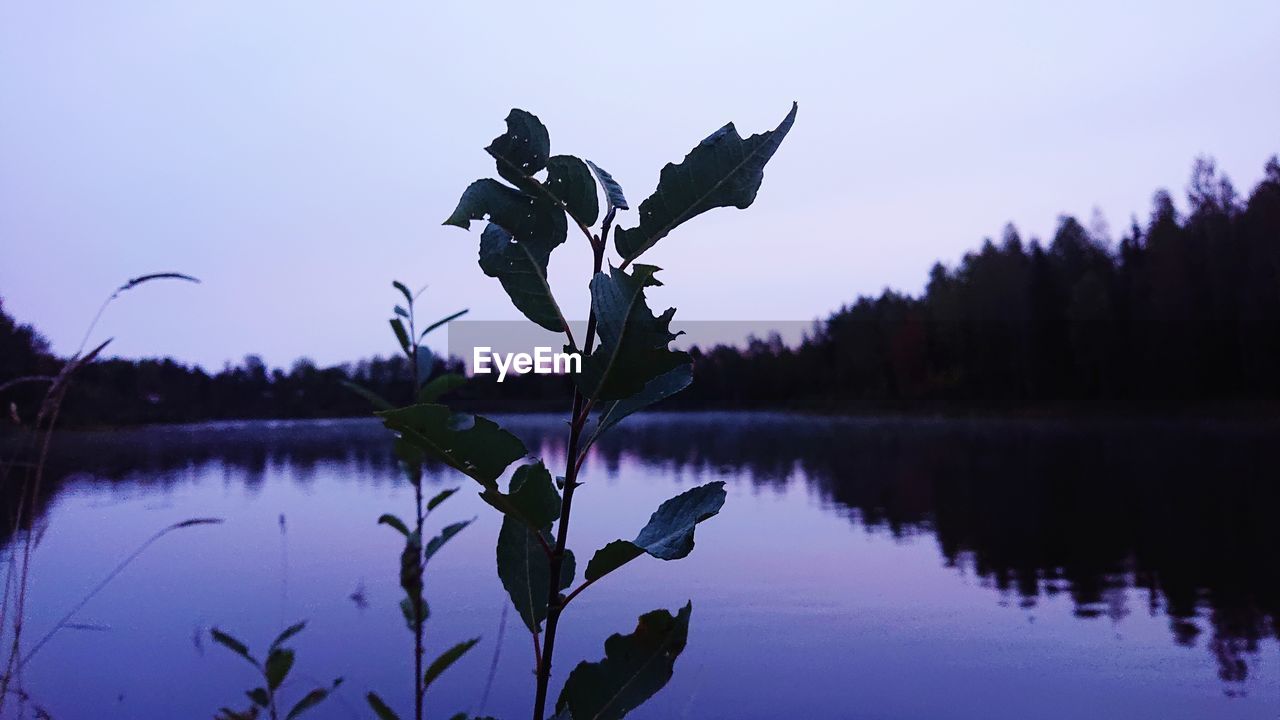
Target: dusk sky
298, 156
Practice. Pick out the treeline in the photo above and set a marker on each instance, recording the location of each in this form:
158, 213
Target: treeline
1183, 313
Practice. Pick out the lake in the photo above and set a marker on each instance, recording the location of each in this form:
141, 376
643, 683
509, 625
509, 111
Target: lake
860, 569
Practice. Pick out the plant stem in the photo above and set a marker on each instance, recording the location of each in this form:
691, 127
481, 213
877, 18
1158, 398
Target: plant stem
579, 418
418, 620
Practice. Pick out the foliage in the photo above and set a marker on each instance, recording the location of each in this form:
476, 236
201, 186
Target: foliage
35, 386
274, 672
422, 425
630, 367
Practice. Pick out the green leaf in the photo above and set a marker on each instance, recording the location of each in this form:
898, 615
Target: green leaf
614, 199
532, 499
402, 336
634, 668
523, 149
669, 533
311, 699
530, 222
610, 558
233, 645
439, 498
659, 388
445, 535
525, 570
634, 342
411, 564
447, 658
259, 697
374, 398
440, 385
471, 444
537, 221
288, 633
408, 453
426, 360
408, 296
667, 536
522, 270
442, 322
569, 180
402, 312
380, 708
722, 171
406, 609
395, 522
279, 663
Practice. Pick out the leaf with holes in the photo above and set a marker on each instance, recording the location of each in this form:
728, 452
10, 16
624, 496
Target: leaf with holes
522, 270
724, 170
634, 343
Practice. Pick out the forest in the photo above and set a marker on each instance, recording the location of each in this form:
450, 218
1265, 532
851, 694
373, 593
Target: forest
1181, 314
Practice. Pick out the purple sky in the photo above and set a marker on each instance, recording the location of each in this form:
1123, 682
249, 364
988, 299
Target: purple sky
298, 155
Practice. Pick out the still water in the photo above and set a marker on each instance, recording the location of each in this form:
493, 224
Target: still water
859, 569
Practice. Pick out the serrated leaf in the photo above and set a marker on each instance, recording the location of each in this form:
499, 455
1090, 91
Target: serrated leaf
570, 181
471, 444
439, 498
523, 150
667, 536
724, 170
288, 633
402, 335
396, 523
440, 385
446, 659
634, 668
437, 542
380, 708
522, 270
614, 199
531, 499
279, 663
634, 342
311, 699
657, 389
525, 570
233, 645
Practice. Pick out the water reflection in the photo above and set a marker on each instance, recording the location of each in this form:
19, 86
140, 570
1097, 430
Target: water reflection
1183, 514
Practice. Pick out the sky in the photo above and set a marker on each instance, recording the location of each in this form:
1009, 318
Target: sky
298, 156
